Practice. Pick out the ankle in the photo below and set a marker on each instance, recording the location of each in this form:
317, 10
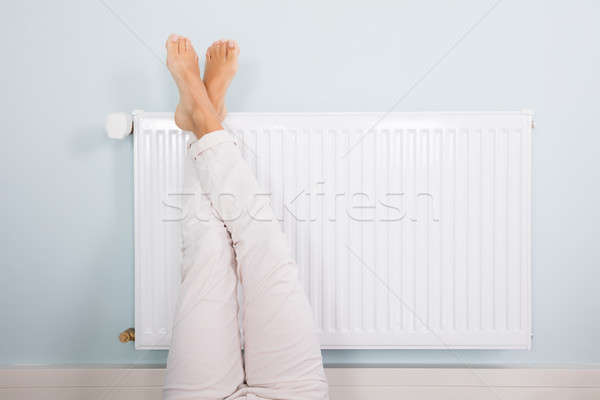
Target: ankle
205, 121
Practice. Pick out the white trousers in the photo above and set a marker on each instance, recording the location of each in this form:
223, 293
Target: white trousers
230, 232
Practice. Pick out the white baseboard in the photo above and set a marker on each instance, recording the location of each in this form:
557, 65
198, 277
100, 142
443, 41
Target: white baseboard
345, 383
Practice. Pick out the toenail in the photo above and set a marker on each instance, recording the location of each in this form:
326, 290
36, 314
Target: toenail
173, 38
231, 43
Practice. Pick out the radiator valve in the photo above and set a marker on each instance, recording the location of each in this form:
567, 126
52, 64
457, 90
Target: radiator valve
128, 335
118, 125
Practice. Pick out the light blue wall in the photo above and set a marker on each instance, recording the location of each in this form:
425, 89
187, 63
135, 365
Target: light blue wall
66, 278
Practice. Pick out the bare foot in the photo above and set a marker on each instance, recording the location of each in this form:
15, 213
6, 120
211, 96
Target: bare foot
194, 112
221, 66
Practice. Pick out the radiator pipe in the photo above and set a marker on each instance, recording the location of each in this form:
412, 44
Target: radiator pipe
128, 335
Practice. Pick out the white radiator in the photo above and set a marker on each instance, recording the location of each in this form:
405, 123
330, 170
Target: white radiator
414, 234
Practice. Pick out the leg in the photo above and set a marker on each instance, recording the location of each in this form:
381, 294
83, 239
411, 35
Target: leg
282, 355
205, 357
205, 360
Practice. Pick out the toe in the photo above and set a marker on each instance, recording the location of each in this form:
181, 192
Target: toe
171, 44
210, 52
190, 49
228, 46
232, 49
181, 45
222, 49
172, 38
